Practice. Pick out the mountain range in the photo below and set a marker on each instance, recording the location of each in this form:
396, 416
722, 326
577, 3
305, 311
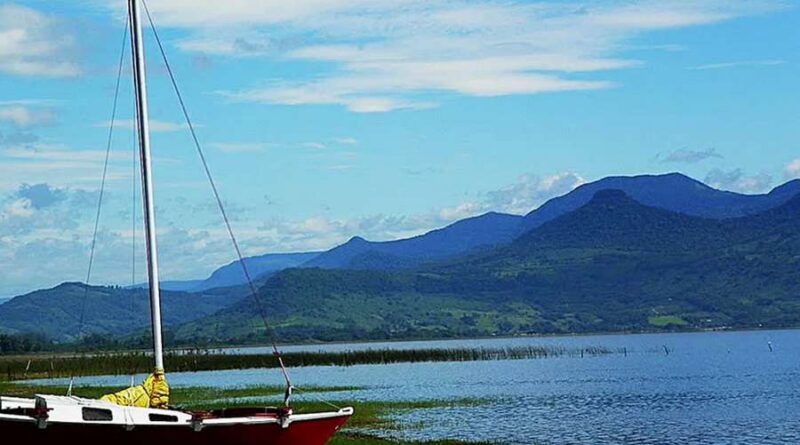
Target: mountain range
621, 254
612, 265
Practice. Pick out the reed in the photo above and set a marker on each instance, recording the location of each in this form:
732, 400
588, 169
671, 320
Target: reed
199, 360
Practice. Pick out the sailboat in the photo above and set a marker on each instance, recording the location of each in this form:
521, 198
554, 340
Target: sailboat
142, 414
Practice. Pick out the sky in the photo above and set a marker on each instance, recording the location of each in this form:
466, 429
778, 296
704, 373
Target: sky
326, 119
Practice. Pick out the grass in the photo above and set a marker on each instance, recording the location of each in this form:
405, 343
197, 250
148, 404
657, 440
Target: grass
369, 419
23, 368
664, 321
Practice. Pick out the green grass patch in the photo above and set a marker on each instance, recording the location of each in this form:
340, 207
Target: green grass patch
663, 321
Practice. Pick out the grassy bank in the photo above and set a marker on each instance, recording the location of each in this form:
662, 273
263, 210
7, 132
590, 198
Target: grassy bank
363, 429
21, 368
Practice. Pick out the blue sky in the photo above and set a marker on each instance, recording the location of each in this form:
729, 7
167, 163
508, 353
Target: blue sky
328, 119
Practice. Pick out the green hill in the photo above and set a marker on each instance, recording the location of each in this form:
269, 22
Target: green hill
113, 311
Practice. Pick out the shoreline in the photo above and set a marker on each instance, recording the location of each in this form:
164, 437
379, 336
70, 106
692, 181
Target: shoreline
496, 337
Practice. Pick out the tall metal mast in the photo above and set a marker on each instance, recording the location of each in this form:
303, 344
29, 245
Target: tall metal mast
143, 127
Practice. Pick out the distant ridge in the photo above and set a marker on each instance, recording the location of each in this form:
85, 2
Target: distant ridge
480, 232
232, 275
673, 191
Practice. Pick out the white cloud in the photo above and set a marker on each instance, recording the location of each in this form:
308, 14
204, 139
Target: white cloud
737, 180
461, 211
35, 44
23, 116
792, 169
531, 191
526, 194
346, 141
382, 55
719, 66
18, 208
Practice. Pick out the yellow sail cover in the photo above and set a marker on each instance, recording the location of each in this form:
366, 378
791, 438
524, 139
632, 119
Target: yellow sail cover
152, 393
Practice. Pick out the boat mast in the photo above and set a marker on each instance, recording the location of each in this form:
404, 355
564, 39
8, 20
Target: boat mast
143, 127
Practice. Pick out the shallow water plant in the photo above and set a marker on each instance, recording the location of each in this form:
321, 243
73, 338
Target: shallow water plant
21, 368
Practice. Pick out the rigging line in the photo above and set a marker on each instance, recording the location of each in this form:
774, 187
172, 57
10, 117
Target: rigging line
269, 330
318, 398
103, 180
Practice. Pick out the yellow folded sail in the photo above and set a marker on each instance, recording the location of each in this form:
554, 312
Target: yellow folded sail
152, 393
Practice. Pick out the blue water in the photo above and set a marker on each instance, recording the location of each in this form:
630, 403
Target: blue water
712, 388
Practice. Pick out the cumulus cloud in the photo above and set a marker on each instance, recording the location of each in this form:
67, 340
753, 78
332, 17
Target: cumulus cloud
792, 169
685, 156
737, 180
35, 44
384, 55
39, 209
531, 191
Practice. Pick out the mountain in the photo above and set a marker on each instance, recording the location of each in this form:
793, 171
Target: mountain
232, 275
468, 235
257, 266
113, 311
614, 264
613, 220
674, 191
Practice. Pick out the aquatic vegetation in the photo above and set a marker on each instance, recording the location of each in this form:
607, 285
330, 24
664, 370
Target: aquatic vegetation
21, 368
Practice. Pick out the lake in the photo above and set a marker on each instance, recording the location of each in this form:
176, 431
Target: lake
710, 388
